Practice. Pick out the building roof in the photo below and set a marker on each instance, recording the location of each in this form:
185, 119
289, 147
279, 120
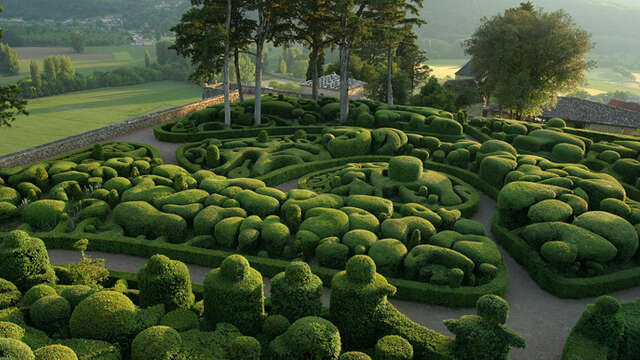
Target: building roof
466, 70
625, 105
586, 111
332, 82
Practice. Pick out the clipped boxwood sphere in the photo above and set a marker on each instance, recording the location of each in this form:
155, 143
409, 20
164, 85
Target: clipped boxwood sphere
388, 255
36, 293
567, 153
493, 309
105, 315
275, 325
9, 294
15, 350
76, 293
235, 267
616, 207
308, 335
361, 269
550, 210
165, 281
556, 123
50, 313
354, 355
156, 343
607, 304
393, 347
559, 252
181, 320
245, 348
55, 352
11, 330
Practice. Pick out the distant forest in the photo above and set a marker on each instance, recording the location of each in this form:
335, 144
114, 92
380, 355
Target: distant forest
613, 23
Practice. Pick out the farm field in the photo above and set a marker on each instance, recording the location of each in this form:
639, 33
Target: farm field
94, 58
56, 117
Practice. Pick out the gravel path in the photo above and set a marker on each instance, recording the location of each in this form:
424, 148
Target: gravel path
541, 318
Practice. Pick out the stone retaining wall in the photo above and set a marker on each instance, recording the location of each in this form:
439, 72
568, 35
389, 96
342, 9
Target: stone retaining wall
75, 142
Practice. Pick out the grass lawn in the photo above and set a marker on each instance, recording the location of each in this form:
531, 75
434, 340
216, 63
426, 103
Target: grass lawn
94, 58
57, 117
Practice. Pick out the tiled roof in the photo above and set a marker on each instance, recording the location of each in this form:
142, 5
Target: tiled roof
625, 105
586, 111
466, 70
332, 82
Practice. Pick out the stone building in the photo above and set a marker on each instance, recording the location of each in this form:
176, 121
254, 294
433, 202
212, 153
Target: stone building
591, 115
329, 86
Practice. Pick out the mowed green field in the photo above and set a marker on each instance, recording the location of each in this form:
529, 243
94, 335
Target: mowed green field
57, 117
94, 58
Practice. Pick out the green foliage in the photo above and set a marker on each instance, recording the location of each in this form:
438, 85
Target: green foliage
433, 94
156, 343
55, 352
105, 315
245, 347
165, 281
308, 336
11, 330
15, 349
234, 294
388, 254
181, 320
24, 260
275, 325
9, 62
9, 294
77, 41
296, 292
393, 347
50, 313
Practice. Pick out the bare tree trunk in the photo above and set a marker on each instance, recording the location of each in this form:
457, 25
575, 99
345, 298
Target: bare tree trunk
344, 83
227, 102
257, 115
236, 59
390, 76
314, 73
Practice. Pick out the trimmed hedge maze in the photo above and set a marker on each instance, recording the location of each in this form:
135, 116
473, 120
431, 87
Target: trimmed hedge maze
136, 204
157, 314
281, 114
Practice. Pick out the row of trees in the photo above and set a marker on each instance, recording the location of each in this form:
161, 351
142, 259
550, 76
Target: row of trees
9, 62
11, 103
212, 29
62, 35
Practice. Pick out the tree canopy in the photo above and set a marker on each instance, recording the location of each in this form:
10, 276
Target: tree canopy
11, 104
526, 56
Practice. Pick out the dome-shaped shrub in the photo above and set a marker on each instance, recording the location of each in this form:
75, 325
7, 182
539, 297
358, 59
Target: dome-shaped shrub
50, 313
275, 325
156, 343
309, 335
181, 320
11, 330
245, 348
393, 347
165, 281
9, 294
234, 294
355, 355
36, 293
55, 352
388, 255
296, 292
76, 293
24, 260
15, 350
105, 315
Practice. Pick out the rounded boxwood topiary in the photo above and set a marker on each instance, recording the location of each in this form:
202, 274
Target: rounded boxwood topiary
9, 294
15, 350
493, 309
181, 320
105, 315
388, 255
245, 348
156, 343
393, 347
308, 335
165, 281
359, 241
332, 254
55, 352
567, 153
616, 207
550, 210
405, 168
296, 292
234, 293
559, 252
36, 293
556, 123
275, 325
354, 355
50, 313
76, 293
24, 260
11, 330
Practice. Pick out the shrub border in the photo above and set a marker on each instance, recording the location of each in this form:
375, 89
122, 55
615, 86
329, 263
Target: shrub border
407, 289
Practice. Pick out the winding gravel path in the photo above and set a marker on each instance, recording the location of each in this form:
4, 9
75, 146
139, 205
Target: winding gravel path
541, 318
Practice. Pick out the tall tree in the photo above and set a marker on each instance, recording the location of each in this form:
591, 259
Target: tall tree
147, 58
526, 56
11, 104
309, 27
50, 71
241, 29
9, 63
271, 26
225, 68
348, 21
77, 41
36, 80
411, 60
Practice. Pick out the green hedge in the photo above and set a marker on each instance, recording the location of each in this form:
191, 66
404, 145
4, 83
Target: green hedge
550, 280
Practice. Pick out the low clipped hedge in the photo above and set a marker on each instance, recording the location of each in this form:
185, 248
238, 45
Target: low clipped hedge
407, 289
550, 280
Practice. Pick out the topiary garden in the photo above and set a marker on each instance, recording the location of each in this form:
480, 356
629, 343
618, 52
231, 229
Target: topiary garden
383, 208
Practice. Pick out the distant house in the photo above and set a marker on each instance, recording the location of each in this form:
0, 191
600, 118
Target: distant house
625, 105
466, 72
591, 115
329, 86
